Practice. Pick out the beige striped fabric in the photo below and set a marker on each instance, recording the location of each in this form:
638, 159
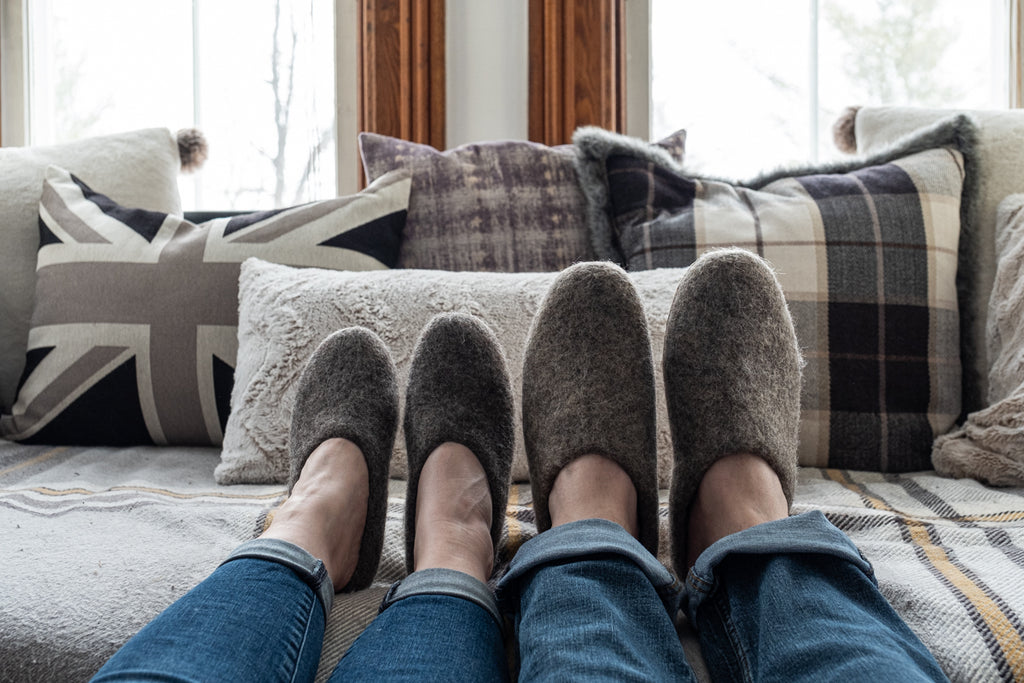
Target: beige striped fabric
122, 533
948, 554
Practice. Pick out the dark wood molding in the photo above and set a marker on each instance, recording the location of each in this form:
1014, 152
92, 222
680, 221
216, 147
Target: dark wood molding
402, 69
577, 67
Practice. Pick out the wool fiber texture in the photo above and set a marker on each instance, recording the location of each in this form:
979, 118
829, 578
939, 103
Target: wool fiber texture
459, 391
732, 377
348, 390
588, 387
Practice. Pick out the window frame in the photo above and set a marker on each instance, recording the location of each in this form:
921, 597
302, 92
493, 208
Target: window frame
589, 64
577, 67
402, 97
374, 91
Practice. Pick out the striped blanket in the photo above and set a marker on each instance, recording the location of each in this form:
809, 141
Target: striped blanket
95, 542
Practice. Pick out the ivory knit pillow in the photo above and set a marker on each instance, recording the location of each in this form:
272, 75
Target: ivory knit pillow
285, 312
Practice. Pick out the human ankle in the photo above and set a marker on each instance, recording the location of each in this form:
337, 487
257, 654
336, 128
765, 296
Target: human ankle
737, 492
594, 487
326, 512
453, 514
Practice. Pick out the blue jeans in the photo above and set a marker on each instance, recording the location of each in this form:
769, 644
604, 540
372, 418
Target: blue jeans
789, 600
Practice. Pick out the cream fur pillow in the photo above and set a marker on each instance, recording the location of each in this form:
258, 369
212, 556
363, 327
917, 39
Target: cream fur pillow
285, 312
989, 446
1006, 307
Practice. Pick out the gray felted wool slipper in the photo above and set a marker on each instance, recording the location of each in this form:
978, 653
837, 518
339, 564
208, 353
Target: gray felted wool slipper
348, 390
459, 391
588, 387
732, 377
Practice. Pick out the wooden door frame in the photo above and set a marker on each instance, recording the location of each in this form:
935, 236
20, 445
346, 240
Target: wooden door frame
402, 69
577, 67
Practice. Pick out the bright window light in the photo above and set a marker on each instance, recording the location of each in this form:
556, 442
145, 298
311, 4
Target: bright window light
758, 84
256, 76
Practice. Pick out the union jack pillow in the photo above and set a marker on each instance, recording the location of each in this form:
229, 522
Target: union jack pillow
134, 331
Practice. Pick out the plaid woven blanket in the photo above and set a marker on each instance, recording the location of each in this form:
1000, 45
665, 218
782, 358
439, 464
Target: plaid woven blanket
96, 542
949, 556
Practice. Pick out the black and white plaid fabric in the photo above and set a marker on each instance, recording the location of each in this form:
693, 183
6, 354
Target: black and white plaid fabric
868, 261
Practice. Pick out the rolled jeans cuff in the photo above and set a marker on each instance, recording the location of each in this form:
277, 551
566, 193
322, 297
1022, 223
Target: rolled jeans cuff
586, 539
308, 568
809, 533
438, 581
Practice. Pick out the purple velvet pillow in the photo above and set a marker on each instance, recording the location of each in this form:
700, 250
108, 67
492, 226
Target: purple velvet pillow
510, 206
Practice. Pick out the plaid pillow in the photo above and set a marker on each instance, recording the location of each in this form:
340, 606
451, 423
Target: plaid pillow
135, 328
509, 206
867, 254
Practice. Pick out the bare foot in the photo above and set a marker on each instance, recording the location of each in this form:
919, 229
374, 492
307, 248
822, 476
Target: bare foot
737, 492
594, 487
453, 514
326, 512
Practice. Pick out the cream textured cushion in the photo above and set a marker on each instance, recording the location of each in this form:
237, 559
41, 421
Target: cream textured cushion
285, 312
1006, 305
139, 168
989, 446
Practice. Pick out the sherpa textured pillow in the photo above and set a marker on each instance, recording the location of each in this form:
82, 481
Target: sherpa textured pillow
989, 446
509, 206
867, 254
134, 333
1006, 305
285, 312
138, 168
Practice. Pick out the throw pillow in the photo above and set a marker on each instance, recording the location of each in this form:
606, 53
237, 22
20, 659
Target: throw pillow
989, 446
285, 312
591, 168
867, 253
134, 333
139, 168
1006, 304
509, 206
1000, 155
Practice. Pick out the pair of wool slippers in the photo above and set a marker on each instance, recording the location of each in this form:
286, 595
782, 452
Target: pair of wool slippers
732, 383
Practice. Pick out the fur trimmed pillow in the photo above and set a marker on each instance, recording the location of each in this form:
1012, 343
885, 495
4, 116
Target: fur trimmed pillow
1000, 155
875, 258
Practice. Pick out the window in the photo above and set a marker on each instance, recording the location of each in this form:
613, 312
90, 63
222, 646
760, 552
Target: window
758, 84
256, 76
755, 83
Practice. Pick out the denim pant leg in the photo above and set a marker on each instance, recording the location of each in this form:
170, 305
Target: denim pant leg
259, 617
794, 600
434, 625
590, 603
